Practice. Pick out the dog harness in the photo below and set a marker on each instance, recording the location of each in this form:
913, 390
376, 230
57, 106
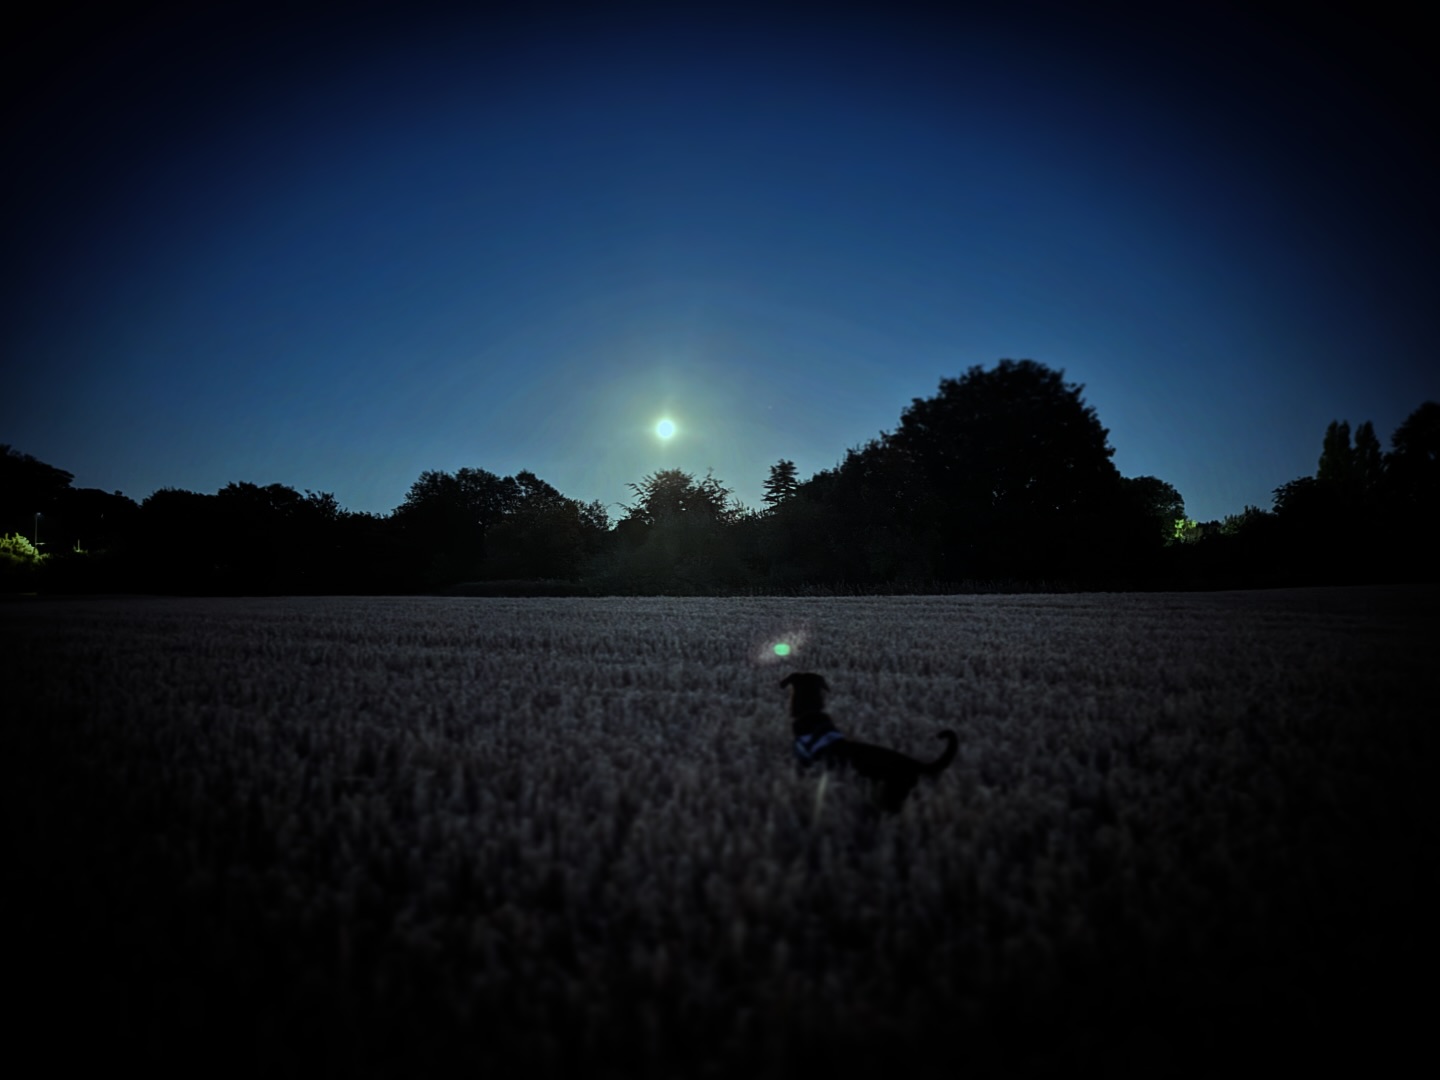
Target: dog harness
808, 748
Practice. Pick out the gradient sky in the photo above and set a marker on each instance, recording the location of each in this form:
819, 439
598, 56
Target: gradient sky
335, 251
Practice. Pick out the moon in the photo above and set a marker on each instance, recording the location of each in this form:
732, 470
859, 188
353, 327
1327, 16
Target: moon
665, 429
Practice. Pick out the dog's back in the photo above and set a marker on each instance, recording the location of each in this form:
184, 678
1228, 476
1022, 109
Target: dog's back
894, 773
817, 740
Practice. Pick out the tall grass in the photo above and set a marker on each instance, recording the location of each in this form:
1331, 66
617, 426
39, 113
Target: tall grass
375, 837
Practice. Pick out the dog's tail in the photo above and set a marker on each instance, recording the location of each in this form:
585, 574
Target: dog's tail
952, 748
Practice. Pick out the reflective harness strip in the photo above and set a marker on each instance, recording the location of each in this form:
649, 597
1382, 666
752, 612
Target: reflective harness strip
808, 747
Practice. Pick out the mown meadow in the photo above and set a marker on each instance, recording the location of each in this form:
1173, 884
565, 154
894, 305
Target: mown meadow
1185, 834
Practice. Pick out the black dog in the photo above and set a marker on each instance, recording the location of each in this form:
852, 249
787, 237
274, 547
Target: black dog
817, 740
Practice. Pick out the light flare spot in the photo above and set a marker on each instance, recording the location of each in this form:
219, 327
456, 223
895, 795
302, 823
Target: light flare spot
783, 646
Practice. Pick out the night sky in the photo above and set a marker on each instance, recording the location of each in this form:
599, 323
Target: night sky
335, 250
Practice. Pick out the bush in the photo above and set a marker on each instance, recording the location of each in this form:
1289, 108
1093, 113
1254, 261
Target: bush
20, 564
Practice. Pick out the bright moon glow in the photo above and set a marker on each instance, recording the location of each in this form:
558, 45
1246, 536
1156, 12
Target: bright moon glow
665, 429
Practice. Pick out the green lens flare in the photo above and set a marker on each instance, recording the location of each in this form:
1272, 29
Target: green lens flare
782, 649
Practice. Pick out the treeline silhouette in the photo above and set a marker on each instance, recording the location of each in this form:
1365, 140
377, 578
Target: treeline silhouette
1001, 480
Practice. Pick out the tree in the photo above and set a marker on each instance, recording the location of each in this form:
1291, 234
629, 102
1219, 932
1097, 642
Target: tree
1413, 465
1363, 515
1185, 530
470, 499
445, 517
20, 563
782, 483
595, 517
1331, 525
474, 524
671, 494
525, 489
179, 537
873, 517
1249, 520
1412, 495
27, 487
678, 535
93, 520
1336, 466
1354, 475
1367, 462
1301, 497
1153, 500
1008, 469
543, 534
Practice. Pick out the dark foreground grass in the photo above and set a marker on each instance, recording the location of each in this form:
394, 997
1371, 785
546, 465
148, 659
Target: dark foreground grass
1185, 836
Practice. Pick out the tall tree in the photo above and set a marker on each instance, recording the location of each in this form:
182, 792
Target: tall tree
1009, 469
782, 483
1336, 465
1350, 476
1413, 464
1336, 526
1367, 462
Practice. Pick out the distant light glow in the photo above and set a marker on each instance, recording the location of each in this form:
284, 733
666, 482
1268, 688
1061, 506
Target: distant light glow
782, 649
665, 429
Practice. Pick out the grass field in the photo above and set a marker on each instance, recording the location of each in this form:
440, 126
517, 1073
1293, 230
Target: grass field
385, 837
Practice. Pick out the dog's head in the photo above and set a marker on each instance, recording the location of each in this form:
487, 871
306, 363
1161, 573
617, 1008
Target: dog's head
807, 692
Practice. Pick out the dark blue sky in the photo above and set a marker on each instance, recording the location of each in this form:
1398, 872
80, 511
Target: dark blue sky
333, 251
